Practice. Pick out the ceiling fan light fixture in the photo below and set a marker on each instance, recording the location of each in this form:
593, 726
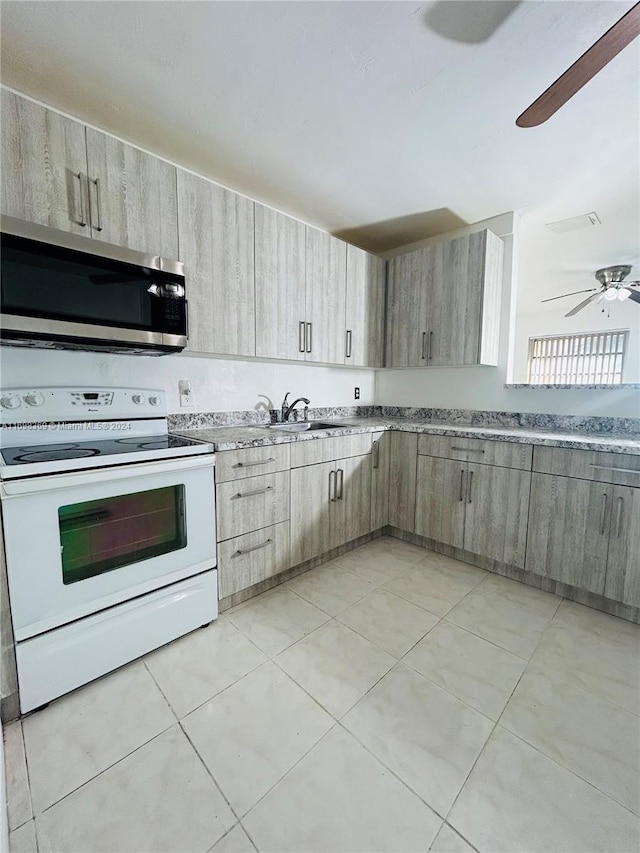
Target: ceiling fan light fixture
623, 294
610, 294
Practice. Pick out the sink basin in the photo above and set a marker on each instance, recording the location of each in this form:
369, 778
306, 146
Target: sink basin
303, 426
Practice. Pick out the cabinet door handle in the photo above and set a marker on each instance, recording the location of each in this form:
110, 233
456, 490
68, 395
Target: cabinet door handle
461, 498
309, 336
430, 346
619, 523
604, 513
251, 464
376, 454
242, 551
96, 183
332, 492
348, 344
469, 484
301, 339
82, 219
341, 486
255, 492
424, 345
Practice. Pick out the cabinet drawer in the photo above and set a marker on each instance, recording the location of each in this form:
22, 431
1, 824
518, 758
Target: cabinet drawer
252, 503
238, 464
329, 449
249, 559
623, 469
505, 454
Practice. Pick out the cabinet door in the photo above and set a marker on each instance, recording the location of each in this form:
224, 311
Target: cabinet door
409, 278
402, 480
364, 318
497, 505
440, 500
216, 246
134, 202
380, 458
280, 285
455, 301
623, 564
326, 285
568, 535
352, 510
44, 163
312, 500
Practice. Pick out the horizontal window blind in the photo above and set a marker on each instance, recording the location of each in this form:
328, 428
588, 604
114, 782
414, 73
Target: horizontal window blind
591, 358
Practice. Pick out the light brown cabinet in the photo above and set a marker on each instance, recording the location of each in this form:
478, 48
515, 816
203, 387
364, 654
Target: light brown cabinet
216, 247
443, 305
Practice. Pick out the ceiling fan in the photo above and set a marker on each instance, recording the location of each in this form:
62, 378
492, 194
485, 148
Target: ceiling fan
612, 288
587, 66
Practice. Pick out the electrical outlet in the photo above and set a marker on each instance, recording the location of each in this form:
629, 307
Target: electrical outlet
356, 394
186, 395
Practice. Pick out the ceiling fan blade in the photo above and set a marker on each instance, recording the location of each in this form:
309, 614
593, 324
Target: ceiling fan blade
573, 293
581, 305
635, 295
587, 66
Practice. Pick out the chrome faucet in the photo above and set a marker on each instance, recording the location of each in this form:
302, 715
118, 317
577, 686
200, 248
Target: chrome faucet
286, 410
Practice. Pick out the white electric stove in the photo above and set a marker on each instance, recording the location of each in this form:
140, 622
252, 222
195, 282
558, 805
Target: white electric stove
109, 532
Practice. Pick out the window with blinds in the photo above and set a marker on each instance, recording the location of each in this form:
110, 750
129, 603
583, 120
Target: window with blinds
591, 358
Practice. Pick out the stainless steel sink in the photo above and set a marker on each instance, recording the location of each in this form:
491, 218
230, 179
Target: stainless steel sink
304, 426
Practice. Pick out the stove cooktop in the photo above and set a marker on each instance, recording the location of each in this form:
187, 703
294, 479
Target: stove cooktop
85, 449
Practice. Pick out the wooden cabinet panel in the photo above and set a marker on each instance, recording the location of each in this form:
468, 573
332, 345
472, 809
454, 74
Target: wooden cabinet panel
365, 308
402, 480
440, 500
312, 499
44, 164
325, 449
251, 461
326, 271
216, 246
507, 454
568, 535
254, 557
380, 459
280, 284
623, 564
352, 510
622, 469
252, 503
409, 277
135, 203
496, 513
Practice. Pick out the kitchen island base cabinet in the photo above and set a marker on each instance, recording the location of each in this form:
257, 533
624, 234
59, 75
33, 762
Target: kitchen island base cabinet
246, 560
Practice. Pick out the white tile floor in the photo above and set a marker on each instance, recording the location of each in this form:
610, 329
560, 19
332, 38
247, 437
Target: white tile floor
391, 700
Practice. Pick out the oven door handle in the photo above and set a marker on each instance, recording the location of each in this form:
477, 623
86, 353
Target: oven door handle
55, 482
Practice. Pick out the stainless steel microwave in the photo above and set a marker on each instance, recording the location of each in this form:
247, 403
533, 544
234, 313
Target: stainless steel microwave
64, 291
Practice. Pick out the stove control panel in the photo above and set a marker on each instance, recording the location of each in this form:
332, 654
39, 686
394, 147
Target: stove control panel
48, 405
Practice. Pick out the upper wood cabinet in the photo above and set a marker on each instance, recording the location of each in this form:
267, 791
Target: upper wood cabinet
216, 245
326, 286
444, 303
280, 243
59, 173
364, 315
132, 196
44, 163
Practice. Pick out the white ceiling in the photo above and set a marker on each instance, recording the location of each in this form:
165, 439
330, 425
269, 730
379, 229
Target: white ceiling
356, 116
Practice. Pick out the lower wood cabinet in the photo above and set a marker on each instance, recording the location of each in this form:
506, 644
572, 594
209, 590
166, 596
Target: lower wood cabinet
440, 500
380, 471
246, 560
330, 505
402, 480
251, 503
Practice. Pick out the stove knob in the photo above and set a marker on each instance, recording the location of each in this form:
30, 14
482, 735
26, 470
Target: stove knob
10, 402
154, 401
138, 399
35, 399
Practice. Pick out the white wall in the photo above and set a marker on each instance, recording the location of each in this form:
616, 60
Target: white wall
483, 387
218, 384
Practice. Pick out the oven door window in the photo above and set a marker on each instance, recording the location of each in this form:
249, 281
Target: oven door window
103, 535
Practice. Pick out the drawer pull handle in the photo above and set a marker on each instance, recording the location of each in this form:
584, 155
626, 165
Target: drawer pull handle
613, 468
467, 449
251, 464
620, 505
256, 492
242, 551
604, 514
469, 487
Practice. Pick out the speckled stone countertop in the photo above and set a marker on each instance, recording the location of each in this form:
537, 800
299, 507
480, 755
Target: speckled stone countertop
238, 437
